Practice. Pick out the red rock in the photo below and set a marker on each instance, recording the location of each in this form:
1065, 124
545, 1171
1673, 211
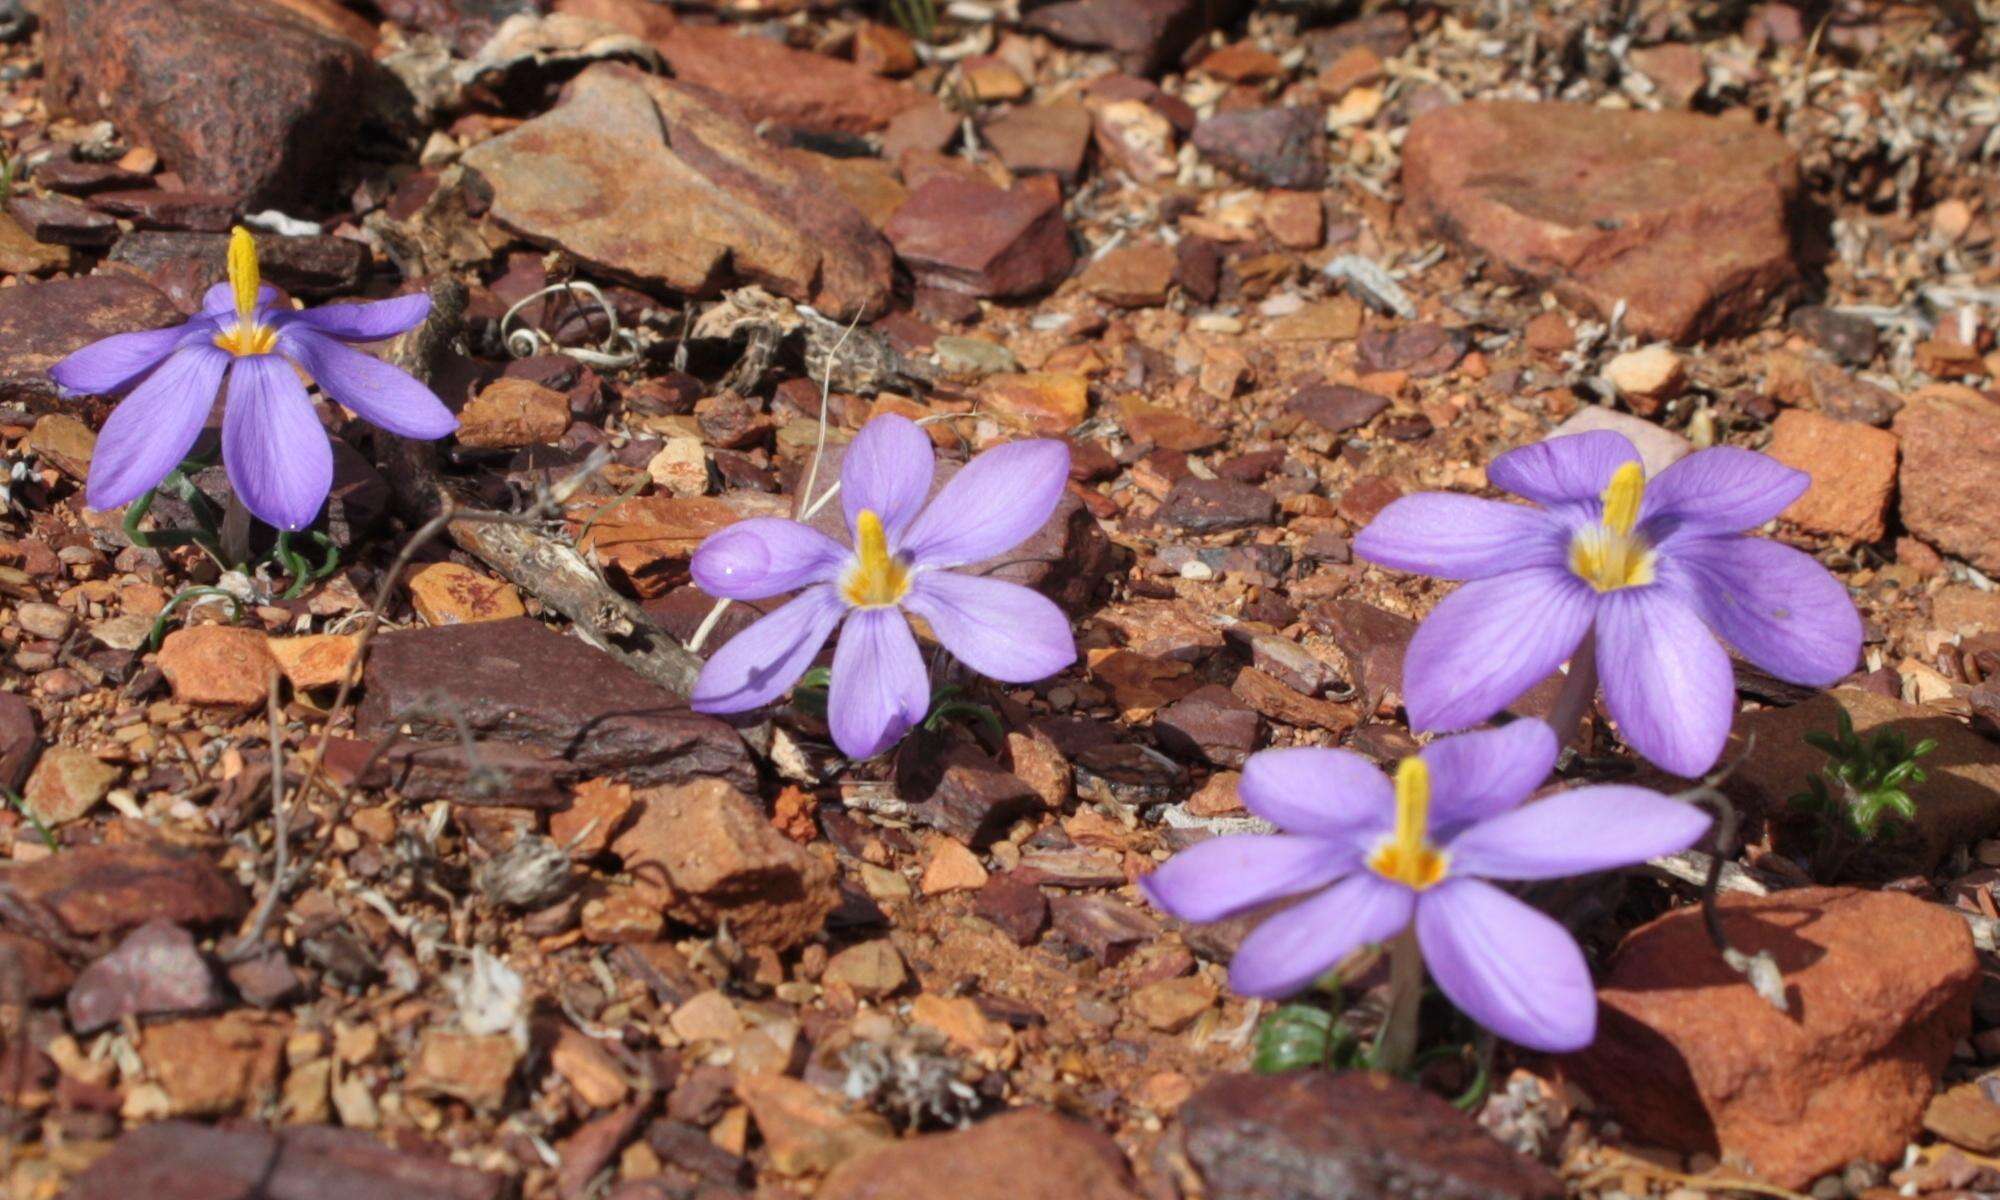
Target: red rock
1145, 35
642, 177
773, 82
1950, 492
1271, 147
642, 19
1242, 62
1041, 137
884, 49
1675, 68
1336, 407
1853, 469
20, 743
152, 208
113, 888
222, 665
1688, 1056
183, 1160
249, 101
1027, 1154
67, 784
508, 414
1135, 276
719, 859
185, 265
61, 221
1215, 505
42, 323
1681, 216
968, 237
155, 970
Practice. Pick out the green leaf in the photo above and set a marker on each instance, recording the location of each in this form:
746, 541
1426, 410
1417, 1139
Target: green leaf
1293, 1037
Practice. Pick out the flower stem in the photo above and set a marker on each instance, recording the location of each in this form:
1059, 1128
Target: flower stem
1578, 690
1396, 1046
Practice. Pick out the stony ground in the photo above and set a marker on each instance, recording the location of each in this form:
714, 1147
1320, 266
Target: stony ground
506, 919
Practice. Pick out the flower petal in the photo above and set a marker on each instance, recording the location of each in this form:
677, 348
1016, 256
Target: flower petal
153, 429
1576, 833
1490, 641
1776, 605
111, 365
220, 299
1667, 681
1475, 775
764, 557
370, 322
880, 688
1324, 793
1002, 630
997, 502
382, 394
1575, 466
279, 459
1292, 948
1507, 966
762, 663
1461, 537
1723, 489
888, 469
1224, 876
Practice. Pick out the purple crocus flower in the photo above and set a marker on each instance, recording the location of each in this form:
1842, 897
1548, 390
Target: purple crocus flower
1654, 571
902, 549
277, 454
1372, 858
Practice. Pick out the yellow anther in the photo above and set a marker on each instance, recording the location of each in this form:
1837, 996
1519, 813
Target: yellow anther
1621, 499
1407, 856
876, 579
243, 275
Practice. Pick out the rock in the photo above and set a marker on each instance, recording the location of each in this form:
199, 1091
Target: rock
1171, 1005
21, 254
1646, 377
26, 962
67, 784
209, 1066
1200, 505
103, 889
1958, 805
252, 102
1154, 425
1296, 219
1042, 403
1335, 320
65, 443
641, 177
1421, 350
471, 1067
1135, 276
1374, 641
1853, 468
183, 1160
965, 794
1016, 906
958, 235
155, 208
1683, 217
719, 860
1659, 447
1209, 724
884, 49
155, 970
1336, 407
519, 683
807, 1130
188, 264
1270, 147
1950, 493
1041, 137
315, 660
1315, 1135
770, 81
508, 414
1026, 1154
1675, 68
20, 744
1145, 35
448, 593
61, 221
1852, 340
225, 666
42, 323
1688, 1056
871, 970
1109, 929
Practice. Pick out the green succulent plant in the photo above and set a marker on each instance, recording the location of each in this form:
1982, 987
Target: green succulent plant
1866, 780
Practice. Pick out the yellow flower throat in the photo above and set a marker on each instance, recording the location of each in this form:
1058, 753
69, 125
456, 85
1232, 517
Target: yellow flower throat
876, 579
1407, 856
1609, 555
246, 336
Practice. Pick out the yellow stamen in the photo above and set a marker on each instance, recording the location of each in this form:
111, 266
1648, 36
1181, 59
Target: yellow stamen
876, 578
1610, 555
246, 336
1407, 856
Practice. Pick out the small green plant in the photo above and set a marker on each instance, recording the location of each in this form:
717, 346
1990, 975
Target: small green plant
918, 18
1308, 1033
1864, 781
179, 482
810, 696
20, 805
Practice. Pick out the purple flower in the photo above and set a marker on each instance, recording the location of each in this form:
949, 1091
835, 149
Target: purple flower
277, 454
1377, 857
902, 547
1655, 570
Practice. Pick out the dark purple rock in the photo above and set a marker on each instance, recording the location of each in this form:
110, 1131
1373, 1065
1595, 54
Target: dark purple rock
1314, 1135
20, 745
1270, 147
1015, 905
1109, 929
1373, 639
155, 970
1422, 350
1850, 339
1211, 725
153, 208
61, 221
190, 263
1217, 505
964, 793
182, 1160
1335, 407
1145, 35
75, 178
960, 235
